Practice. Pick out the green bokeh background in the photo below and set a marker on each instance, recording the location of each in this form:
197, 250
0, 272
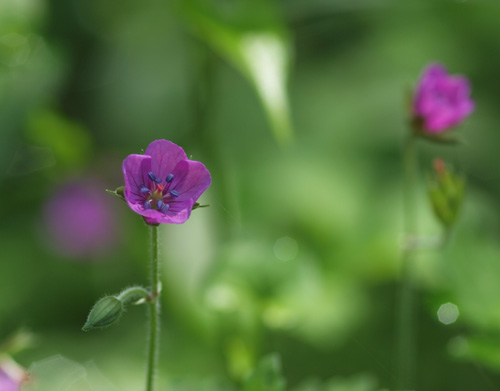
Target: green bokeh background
299, 110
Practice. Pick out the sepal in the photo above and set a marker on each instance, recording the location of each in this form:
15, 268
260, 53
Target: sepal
119, 192
443, 138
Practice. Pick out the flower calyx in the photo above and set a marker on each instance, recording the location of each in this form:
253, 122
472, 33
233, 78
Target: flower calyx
446, 190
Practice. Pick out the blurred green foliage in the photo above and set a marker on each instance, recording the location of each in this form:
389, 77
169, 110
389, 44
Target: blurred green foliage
298, 253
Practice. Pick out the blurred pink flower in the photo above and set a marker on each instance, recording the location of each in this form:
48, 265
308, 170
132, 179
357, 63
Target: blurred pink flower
163, 184
441, 101
79, 220
11, 375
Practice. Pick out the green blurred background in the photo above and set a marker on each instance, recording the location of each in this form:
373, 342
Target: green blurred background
298, 109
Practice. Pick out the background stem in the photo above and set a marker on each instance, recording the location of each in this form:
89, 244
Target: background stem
406, 340
154, 314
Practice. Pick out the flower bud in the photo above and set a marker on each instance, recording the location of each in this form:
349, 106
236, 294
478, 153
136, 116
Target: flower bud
446, 191
104, 313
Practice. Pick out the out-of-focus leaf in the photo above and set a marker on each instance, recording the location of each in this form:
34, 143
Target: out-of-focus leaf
360, 382
59, 373
69, 141
267, 376
356, 383
252, 38
210, 384
483, 349
30, 71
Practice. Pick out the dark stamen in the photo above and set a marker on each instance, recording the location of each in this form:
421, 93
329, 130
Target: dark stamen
159, 204
144, 189
170, 177
146, 205
153, 177
164, 208
174, 193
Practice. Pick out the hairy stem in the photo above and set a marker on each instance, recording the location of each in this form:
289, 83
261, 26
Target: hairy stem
133, 294
154, 314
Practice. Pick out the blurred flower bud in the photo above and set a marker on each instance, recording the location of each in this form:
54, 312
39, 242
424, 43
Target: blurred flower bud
446, 192
80, 221
104, 313
12, 375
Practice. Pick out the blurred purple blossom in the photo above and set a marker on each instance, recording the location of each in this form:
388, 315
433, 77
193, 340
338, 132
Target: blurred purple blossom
11, 375
7, 383
441, 100
79, 220
163, 184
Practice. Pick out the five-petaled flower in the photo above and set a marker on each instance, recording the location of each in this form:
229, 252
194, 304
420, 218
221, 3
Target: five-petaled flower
163, 184
441, 101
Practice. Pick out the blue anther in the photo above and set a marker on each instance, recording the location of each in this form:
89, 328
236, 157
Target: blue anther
170, 177
159, 204
164, 208
174, 193
144, 189
147, 205
153, 177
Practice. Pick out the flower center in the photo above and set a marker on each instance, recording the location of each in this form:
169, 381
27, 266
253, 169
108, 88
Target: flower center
158, 193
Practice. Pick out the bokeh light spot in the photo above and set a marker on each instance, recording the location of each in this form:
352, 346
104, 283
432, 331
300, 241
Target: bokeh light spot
448, 313
458, 346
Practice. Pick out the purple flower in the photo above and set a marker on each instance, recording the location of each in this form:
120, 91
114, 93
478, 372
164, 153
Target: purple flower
80, 221
441, 101
163, 184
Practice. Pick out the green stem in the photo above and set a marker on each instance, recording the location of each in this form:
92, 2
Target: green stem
406, 323
154, 313
133, 294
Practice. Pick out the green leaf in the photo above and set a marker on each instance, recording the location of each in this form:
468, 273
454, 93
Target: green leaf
254, 40
267, 376
68, 140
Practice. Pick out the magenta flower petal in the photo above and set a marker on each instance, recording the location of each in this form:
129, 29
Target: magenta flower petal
164, 157
178, 213
135, 172
163, 185
192, 178
441, 101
